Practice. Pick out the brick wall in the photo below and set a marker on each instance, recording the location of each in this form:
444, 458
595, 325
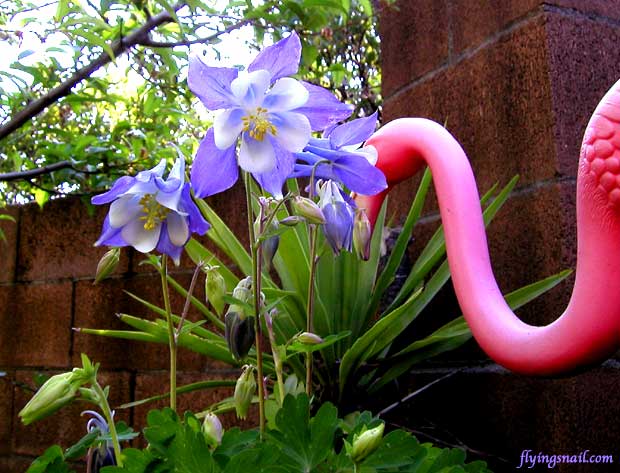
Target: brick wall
46, 288
516, 82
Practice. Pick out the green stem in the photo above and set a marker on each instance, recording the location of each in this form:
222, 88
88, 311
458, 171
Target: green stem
310, 304
256, 251
276, 357
107, 412
172, 344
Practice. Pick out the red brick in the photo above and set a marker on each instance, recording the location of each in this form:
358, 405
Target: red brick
57, 242
414, 41
474, 21
6, 412
592, 8
497, 104
151, 384
8, 247
67, 426
96, 307
14, 464
582, 67
35, 325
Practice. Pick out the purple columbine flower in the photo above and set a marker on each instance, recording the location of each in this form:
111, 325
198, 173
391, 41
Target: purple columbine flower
149, 212
338, 157
339, 214
103, 454
269, 114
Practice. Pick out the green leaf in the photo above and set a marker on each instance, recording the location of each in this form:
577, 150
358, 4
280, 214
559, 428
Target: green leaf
79, 449
52, 461
198, 386
41, 197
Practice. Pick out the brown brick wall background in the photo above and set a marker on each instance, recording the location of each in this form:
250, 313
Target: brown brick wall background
515, 81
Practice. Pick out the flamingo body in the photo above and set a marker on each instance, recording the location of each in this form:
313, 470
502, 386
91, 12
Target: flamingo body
588, 331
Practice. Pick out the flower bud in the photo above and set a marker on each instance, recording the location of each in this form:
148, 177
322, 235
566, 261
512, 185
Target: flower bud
308, 338
269, 245
362, 234
291, 221
107, 264
239, 327
212, 430
215, 289
365, 443
308, 209
244, 391
56, 392
239, 333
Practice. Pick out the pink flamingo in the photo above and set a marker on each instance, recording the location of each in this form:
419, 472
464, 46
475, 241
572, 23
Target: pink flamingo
588, 331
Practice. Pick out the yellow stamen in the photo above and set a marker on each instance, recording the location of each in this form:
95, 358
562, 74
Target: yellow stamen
154, 212
258, 124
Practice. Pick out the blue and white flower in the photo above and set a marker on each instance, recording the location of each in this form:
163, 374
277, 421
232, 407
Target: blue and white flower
263, 118
102, 455
149, 212
338, 157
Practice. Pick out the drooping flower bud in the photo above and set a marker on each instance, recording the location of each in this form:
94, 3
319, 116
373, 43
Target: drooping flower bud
270, 244
107, 264
215, 289
362, 234
244, 391
309, 338
239, 327
308, 209
365, 443
212, 430
291, 221
56, 392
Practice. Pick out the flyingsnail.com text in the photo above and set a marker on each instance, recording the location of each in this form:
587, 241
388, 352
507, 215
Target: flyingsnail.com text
529, 459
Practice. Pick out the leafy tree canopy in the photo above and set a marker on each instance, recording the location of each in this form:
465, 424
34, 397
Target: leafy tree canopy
98, 87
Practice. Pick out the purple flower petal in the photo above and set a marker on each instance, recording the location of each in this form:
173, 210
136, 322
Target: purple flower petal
338, 228
293, 130
280, 59
323, 108
359, 175
110, 236
353, 132
211, 84
197, 223
227, 127
165, 246
121, 186
274, 180
286, 94
214, 170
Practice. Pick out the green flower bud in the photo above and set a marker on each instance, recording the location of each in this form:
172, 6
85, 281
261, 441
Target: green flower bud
308, 209
212, 430
365, 443
362, 234
56, 392
107, 264
308, 338
215, 289
244, 391
291, 221
270, 244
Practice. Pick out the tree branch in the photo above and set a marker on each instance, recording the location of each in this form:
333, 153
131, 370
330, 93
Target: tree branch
118, 47
148, 42
32, 173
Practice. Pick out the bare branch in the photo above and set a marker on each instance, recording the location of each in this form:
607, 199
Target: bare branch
148, 42
118, 47
50, 168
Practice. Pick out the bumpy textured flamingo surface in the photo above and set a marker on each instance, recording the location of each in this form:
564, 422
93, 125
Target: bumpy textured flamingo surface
588, 331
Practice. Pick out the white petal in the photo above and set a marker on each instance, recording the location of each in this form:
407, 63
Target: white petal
369, 152
249, 88
256, 156
286, 94
124, 209
226, 127
178, 231
292, 130
141, 239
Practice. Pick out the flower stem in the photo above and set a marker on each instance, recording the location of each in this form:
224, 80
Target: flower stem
310, 304
188, 300
172, 344
256, 251
107, 412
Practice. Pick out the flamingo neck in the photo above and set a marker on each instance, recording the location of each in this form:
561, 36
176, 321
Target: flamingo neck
586, 332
